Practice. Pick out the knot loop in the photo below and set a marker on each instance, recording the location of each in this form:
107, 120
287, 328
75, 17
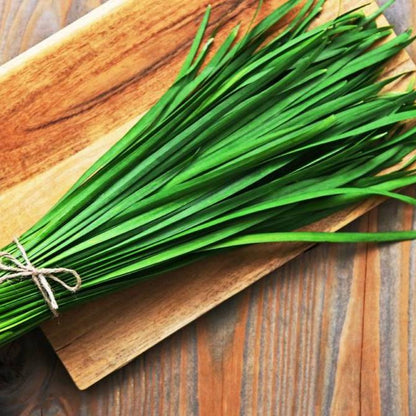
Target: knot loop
39, 276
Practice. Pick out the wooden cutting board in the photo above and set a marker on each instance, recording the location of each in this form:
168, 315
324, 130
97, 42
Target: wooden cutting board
64, 103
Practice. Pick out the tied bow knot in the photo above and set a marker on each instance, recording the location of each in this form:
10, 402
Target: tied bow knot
39, 276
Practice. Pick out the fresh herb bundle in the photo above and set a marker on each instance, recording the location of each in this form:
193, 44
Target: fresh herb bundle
267, 137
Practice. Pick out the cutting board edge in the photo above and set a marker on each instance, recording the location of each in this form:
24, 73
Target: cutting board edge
55, 40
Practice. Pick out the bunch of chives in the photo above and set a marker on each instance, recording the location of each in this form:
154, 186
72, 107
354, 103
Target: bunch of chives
265, 138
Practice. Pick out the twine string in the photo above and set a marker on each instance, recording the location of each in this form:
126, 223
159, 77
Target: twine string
39, 276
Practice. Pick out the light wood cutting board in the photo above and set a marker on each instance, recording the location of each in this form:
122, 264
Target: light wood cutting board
65, 102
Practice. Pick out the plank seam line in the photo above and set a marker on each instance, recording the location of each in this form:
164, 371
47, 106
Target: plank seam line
363, 315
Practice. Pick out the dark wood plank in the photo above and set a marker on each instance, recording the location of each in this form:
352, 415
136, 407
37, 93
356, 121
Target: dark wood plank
402, 14
332, 332
389, 360
144, 315
92, 57
25, 23
273, 349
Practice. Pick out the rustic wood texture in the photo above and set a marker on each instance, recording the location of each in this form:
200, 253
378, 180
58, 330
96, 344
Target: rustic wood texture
138, 318
319, 334
24, 23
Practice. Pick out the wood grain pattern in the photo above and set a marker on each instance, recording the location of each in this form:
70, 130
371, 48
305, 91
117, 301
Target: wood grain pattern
140, 317
284, 345
288, 345
402, 14
25, 23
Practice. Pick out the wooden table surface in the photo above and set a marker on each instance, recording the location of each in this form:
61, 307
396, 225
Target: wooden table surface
333, 332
